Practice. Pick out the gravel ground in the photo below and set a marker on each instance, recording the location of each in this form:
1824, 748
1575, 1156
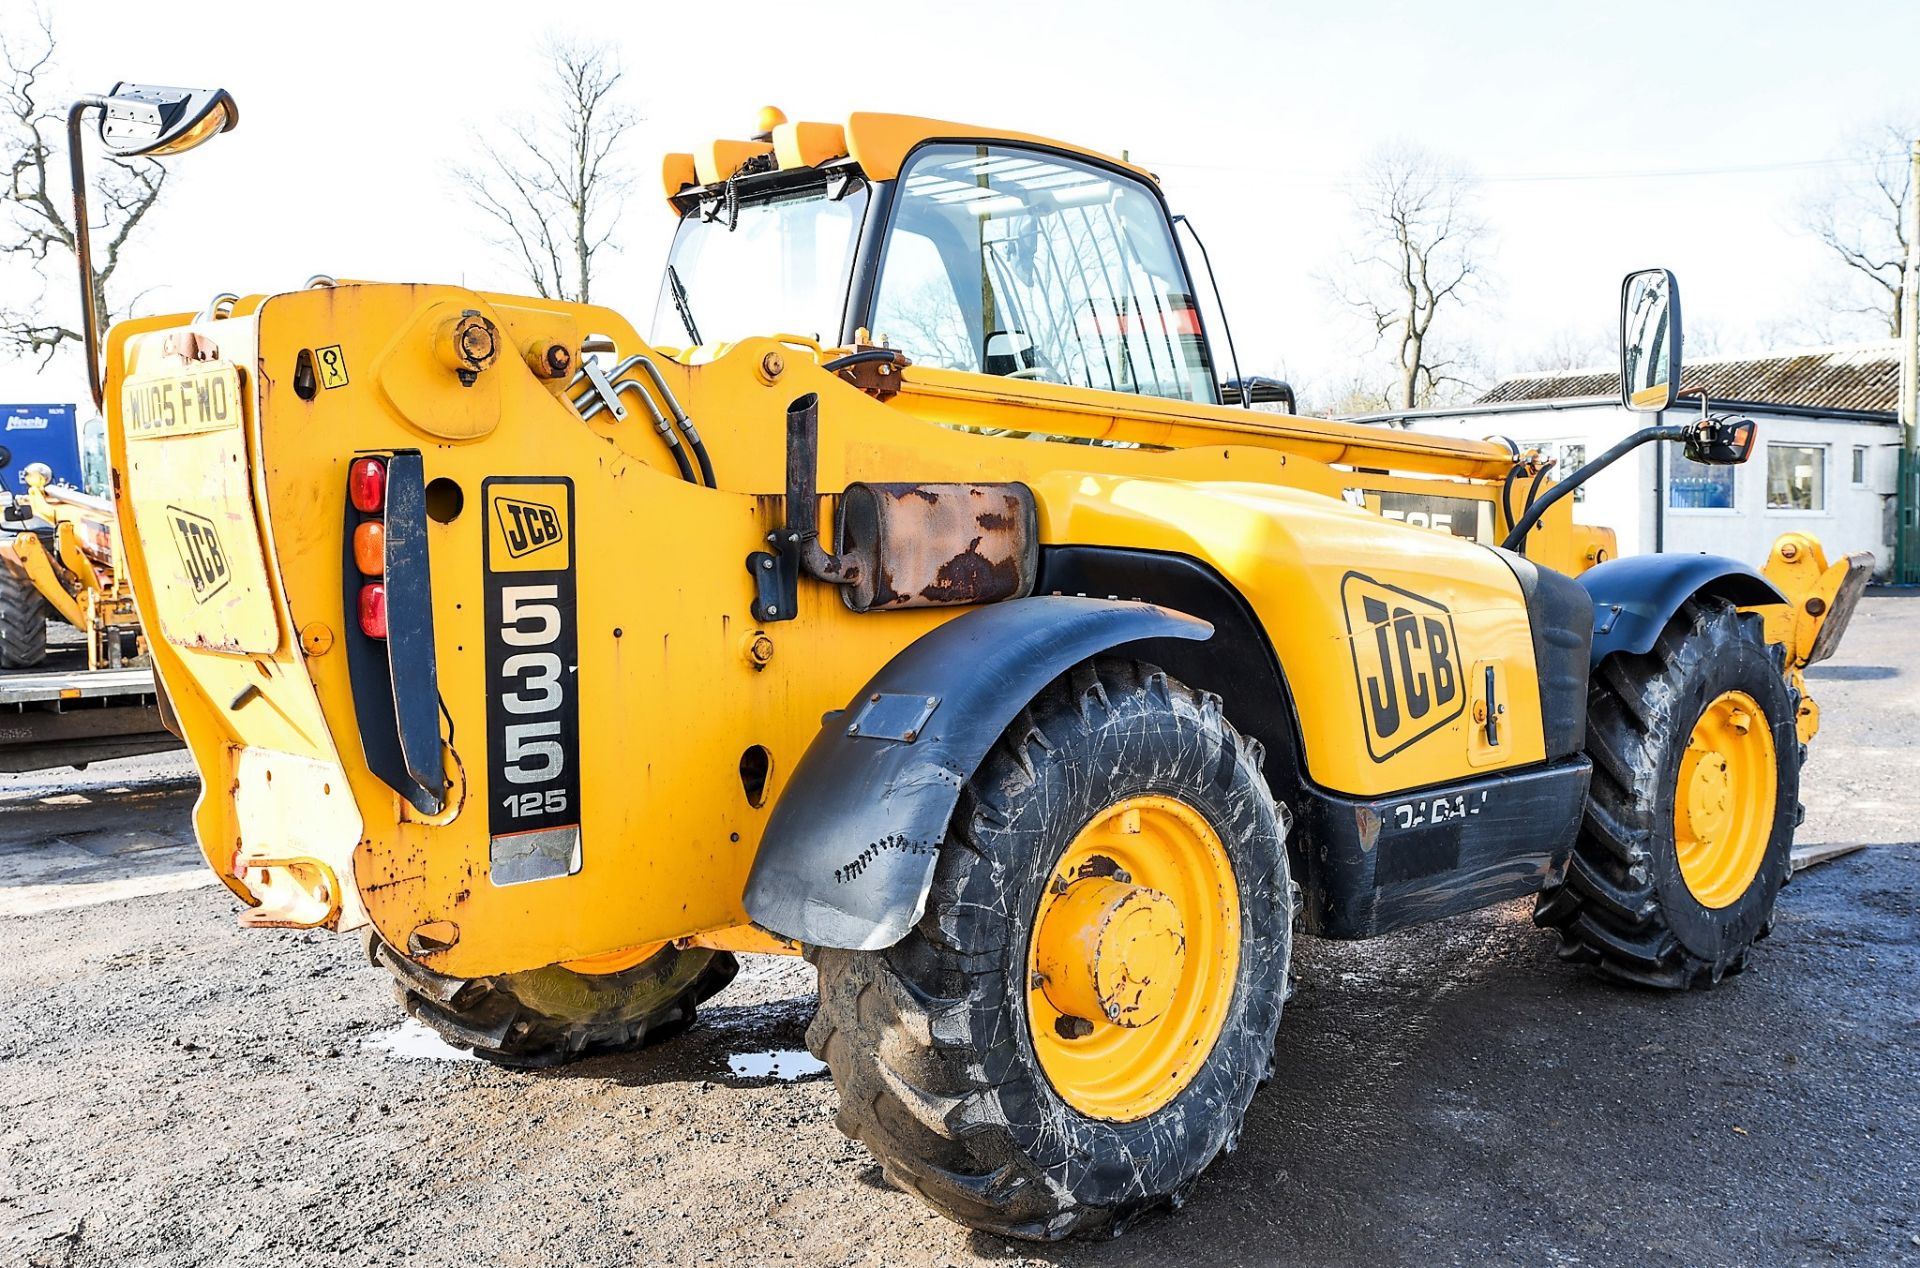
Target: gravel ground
178, 1091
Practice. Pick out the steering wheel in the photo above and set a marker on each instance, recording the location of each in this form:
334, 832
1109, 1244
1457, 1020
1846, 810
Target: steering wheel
1039, 373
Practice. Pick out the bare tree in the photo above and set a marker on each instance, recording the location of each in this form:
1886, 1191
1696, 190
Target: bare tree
1570, 348
39, 233
1861, 217
1417, 255
554, 191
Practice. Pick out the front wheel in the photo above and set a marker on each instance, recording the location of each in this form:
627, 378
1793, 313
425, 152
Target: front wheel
23, 619
1074, 1028
1689, 827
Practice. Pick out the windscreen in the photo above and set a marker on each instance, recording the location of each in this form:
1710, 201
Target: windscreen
1034, 265
776, 264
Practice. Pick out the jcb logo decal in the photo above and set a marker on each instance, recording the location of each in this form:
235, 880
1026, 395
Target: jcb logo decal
525, 527
201, 554
1406, 660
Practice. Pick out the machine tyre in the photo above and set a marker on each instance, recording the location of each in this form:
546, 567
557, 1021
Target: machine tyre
23, 620
550, 1016
1688, 832
932, 1042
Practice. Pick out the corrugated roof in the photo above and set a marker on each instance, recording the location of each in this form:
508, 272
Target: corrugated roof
1855, 377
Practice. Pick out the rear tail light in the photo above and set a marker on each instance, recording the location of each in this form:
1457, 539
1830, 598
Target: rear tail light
367, 540
386, 616
370, 547
373, 609
367, 485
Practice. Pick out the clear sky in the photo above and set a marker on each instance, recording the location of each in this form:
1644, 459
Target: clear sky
1255, 115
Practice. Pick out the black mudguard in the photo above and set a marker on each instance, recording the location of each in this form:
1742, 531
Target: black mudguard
1635, 597
849, 851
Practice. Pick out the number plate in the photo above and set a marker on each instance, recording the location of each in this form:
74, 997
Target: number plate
190, 488
533, 682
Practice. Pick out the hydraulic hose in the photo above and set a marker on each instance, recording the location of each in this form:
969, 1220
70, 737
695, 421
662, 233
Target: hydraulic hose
1516, 540
859, 358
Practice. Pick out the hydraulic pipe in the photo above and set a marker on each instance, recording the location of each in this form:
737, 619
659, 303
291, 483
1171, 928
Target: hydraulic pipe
1517, 538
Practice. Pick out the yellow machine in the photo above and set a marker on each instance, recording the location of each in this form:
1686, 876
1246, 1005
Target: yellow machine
907, 592
65, 561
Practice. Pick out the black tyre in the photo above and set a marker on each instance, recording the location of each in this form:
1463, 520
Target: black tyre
546, 1017
1118, 791
1689, 825
23, 620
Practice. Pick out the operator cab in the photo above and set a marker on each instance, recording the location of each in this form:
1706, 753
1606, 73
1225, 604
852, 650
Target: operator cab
1015, 257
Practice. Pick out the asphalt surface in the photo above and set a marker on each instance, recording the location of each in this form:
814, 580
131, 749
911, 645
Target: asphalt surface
178, 1091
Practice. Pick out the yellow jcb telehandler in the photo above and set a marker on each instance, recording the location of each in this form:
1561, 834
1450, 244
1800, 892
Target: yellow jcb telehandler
908, 591
63, 559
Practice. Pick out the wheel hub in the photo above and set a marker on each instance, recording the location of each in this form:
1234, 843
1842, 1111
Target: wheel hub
1111, 950
1723, 807
1132, 957
1707, 794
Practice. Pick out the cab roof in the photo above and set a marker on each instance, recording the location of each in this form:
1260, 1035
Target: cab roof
876, 144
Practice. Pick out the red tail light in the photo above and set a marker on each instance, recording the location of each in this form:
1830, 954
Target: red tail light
370, 547
367, 484
373, 609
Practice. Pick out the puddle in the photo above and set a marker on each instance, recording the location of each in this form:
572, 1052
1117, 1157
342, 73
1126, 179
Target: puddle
787, 1065
412, 1040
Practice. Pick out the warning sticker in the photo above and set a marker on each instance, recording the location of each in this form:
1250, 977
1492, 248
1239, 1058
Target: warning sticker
333, 366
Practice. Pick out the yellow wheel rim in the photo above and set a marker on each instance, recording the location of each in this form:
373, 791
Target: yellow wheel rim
1133, 959
1723, 807
613, 961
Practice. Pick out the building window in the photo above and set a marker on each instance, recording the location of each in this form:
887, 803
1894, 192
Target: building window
1572, 458
1859, 464
1796, 478
1694, 486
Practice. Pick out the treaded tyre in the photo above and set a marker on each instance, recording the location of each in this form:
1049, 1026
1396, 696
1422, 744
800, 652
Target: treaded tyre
23, 620
1689, 826
547, 1017
1119, 812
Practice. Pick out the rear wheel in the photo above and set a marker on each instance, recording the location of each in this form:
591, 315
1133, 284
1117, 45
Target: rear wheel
23, 619
1689, 826
549, 1016
1075, 1026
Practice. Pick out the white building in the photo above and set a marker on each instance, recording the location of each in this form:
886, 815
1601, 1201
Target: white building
1825, 462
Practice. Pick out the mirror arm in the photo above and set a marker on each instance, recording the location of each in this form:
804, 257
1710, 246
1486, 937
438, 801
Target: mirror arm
82, 243
1516, 540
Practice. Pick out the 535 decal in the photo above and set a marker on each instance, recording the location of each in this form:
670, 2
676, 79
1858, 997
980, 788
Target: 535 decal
533, 698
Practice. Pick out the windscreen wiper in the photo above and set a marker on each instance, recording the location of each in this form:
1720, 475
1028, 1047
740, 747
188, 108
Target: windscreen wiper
680, 302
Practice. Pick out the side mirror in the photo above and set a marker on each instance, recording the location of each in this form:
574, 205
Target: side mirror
1720, 441
1008, 352
146, 119
135, 120
1259, 390
1649, 340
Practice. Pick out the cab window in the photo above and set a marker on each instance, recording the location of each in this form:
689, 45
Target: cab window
774, 262
1033, 265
